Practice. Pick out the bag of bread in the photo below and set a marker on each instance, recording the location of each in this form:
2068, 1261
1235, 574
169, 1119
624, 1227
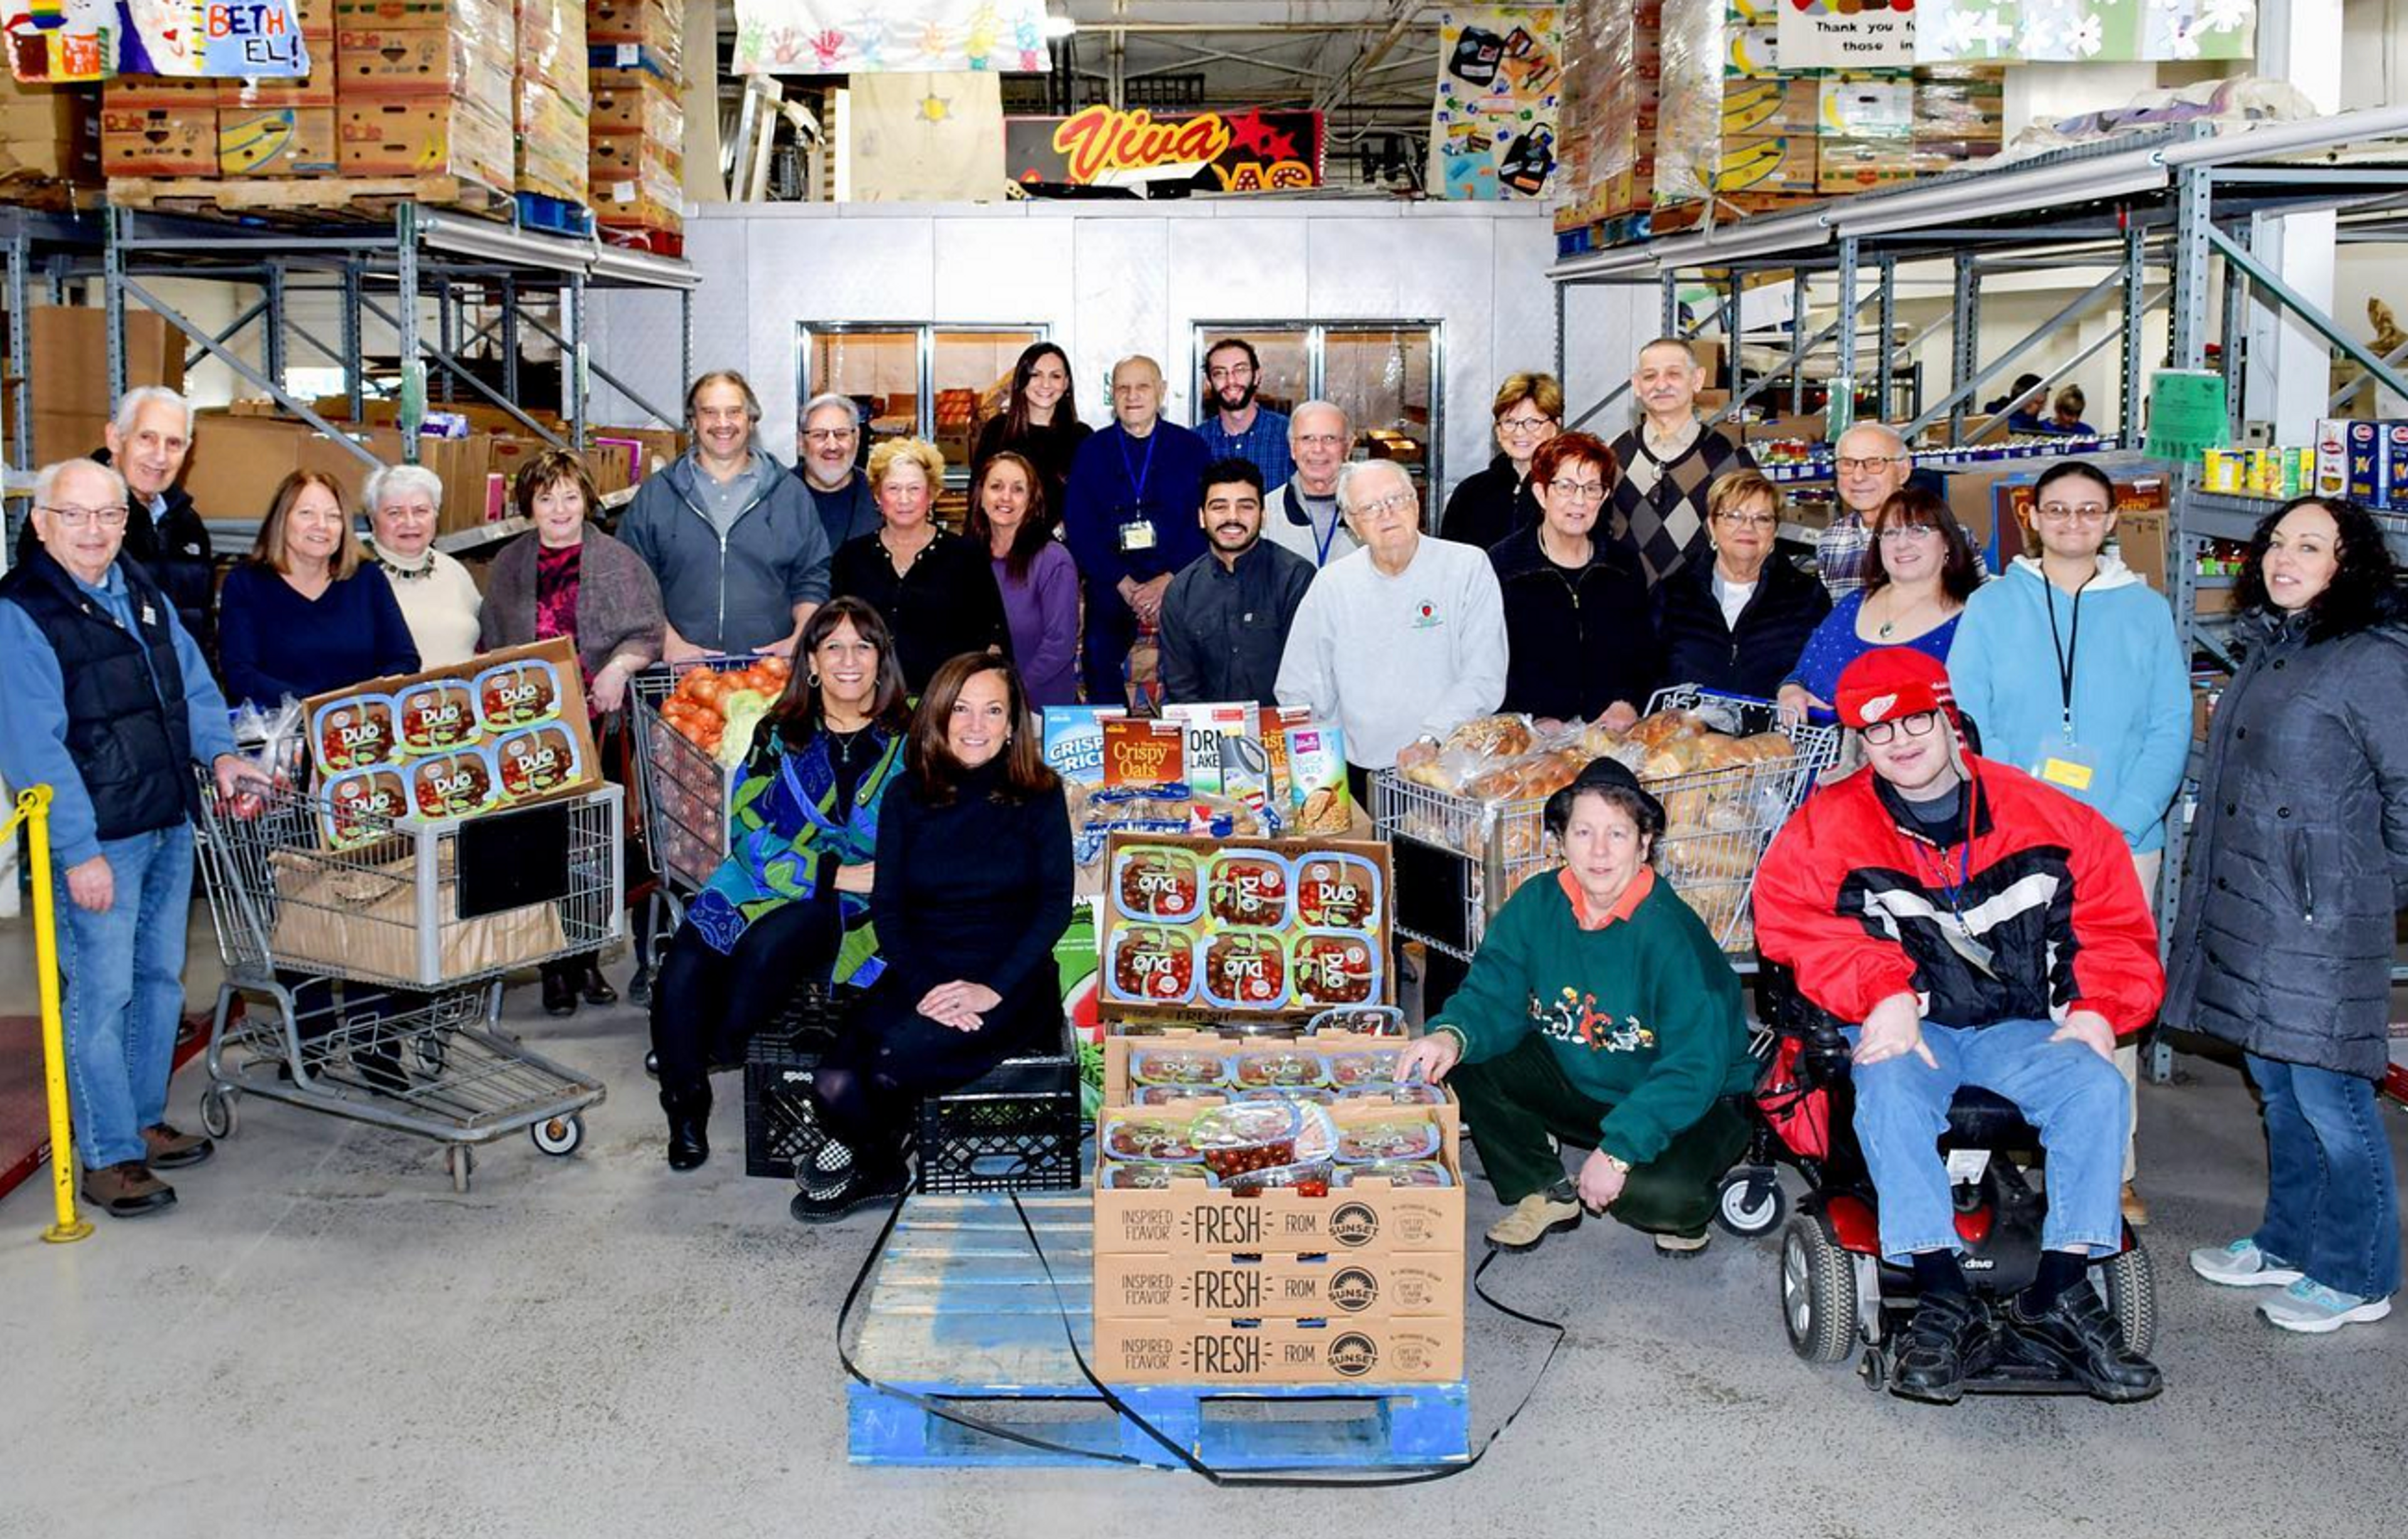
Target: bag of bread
1501, 736
1662, 727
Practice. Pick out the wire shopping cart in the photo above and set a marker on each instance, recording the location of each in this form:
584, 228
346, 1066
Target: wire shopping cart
384, 962
1718, 823
684, 792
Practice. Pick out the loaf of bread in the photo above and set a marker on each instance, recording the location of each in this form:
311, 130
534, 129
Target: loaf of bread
1501, 736
1654, 731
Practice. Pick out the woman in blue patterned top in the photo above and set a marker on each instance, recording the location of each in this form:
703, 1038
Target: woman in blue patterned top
1923, 570
791, 903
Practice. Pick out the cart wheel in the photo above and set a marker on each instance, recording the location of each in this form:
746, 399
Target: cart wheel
1751, 1203
2130, 1284
428, 1050
459, 1160
218, 1115
1874, 1370
559, 1135
1818, 1292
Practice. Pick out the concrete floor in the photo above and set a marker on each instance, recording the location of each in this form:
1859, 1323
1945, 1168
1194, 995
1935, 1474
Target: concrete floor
323, 1339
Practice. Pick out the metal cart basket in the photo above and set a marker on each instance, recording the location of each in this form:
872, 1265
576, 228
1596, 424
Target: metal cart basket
683, 790
1719, 823
384, 962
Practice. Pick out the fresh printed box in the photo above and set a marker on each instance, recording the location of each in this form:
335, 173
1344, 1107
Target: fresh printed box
1407, 1350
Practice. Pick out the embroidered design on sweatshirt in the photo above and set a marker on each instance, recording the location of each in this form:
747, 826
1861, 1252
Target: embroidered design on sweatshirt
1573, 1017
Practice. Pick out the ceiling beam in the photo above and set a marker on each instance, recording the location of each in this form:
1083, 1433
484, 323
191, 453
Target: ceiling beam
1400, 23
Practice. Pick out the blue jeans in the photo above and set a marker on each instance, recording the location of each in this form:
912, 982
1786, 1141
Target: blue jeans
2332, 1207
124, 971
2076, 1100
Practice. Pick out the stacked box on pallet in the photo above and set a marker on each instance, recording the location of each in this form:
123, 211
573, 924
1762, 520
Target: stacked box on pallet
425, 88
554, 101
158, 125
284, 125
1579, 120
49, 141
637, 133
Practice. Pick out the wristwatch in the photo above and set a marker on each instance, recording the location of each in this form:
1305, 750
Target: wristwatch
1620, 1165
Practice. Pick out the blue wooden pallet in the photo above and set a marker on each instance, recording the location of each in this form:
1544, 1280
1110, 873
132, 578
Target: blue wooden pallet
960, 1312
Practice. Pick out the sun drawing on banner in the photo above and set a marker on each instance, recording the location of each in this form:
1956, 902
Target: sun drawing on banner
936, 109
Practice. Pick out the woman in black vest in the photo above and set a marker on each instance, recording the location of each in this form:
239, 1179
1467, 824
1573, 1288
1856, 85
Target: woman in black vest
1737, 623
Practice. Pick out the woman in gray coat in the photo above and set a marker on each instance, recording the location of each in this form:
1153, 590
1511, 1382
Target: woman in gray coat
2296, 870
564, 578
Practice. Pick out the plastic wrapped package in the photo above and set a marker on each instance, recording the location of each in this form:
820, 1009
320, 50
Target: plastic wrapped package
1581, 103
1150, 1175
551, 45
1286, 1068
1366, 1143
1247, 1135
1306, 1178
1689, 115
554, 159
1398, 1172
1190, 1067
1149, 1138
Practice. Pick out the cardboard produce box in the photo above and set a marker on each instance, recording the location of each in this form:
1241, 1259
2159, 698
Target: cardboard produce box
1771, 163
1768, 106
657, 163
160, 142
380, 62
1188, 1285
1852, 165
637, 102
552, 43
1236, 1352
488, 19
315, 89
135, 91
655, 27
417, 136
552, 150
288, 141
643, 202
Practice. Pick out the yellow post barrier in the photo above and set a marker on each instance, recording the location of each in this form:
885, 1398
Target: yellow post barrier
33, 811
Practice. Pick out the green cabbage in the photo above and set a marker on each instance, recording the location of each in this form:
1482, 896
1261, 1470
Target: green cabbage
743, 709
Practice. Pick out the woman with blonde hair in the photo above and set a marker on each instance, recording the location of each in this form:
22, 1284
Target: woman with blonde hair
935, 589
307, 613
1738, 623
1497, 502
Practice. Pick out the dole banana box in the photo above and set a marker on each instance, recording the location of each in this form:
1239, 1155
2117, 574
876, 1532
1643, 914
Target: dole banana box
1766, 163
286, 141
1758, 108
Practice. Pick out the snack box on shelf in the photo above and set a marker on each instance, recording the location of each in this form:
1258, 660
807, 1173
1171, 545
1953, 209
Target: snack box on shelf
1392, 1350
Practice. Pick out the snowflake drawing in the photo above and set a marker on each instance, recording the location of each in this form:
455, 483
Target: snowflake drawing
2181, 42
2087, 34
2227, 15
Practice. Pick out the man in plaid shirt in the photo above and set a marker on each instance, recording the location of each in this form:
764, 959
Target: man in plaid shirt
1870, 463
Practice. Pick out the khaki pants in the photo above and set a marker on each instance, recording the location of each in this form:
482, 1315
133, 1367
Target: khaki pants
2128, 1057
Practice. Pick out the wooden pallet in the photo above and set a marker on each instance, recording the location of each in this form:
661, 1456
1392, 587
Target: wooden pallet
307, 199
960, 1312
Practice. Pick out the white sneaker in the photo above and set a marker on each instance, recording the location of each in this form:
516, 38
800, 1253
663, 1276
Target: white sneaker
2242, 1264
2313, 1307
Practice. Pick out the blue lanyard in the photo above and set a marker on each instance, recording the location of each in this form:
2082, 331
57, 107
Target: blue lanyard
1137, 474
1321, 541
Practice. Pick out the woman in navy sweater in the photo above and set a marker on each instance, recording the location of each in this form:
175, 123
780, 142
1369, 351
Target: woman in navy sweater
307, 613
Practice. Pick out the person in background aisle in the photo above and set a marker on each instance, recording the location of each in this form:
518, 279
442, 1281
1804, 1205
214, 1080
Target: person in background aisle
1011, 519
791, 903
828, 449
1737, 623
110, 705
2292, 885
1237, 426
1924, 572
1128, 521
1493, 503
1303, 515
1403, 639
566, 579
2023, 406
1868, 463
306, 613
969, 978
2105, 715
437, 596
1578, 635
2065, 414
740, 552
1598, 1013
935, 589
1039, 421
1668, 459
1225, 616
147, 441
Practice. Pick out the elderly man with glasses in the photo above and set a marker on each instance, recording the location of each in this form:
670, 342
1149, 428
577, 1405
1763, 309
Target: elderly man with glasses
827, 452
1868, 463
109, 704
1302, 515
1669, 460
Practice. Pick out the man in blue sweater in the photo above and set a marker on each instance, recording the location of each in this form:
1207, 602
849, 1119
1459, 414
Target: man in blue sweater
2070, 667
110, 705
1130, 518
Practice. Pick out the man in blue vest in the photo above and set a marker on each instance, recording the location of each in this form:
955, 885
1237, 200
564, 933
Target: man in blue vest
110, 705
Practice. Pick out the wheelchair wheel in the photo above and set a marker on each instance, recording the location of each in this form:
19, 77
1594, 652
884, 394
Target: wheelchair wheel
2130, 1285
1818, 1292
1751, 1202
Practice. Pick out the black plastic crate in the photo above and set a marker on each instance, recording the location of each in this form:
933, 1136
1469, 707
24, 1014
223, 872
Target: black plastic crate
1014, 1129
777, 1077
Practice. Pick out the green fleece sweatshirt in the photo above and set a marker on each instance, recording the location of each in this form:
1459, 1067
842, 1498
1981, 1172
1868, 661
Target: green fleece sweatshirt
1642, 1015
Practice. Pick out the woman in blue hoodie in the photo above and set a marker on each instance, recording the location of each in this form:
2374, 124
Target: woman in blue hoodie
2070, 667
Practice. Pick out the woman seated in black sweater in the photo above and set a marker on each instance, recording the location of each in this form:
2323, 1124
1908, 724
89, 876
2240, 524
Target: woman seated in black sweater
1579, 641
973, 891
1738, 623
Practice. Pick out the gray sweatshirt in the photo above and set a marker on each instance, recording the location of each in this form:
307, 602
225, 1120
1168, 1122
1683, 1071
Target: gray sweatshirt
736, 590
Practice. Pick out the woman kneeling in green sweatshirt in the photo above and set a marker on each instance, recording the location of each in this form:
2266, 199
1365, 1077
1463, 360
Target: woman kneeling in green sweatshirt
1598, 1010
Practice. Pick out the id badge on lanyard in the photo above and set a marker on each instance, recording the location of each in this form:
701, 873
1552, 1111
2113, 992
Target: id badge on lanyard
2066, 763
1136, 532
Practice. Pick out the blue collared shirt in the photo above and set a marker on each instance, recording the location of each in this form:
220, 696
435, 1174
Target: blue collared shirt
1264, 445
34, 713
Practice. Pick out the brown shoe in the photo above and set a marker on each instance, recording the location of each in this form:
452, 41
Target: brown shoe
2136, 1212
127, 1189
1533, 1219
1681, 1247
172, 1148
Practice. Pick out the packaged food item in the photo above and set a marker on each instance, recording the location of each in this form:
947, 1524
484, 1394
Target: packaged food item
1247, 886
1318, 799
353, 733
1335, 967
1154, 882
1394, 1095
1493, 736
362, 806
1190, 1067
1316, 1133
437, 717
1142, 751
1156, 1139
1286, 1066
1364, 1142
1336, 892
1151, 1175
454, 784
1074, 742
1245, 970
1247, 1135
1165, 1095
1400, 1173
517, 694
1308, 1095
1306, 1178
1152, 964
1362, 1067
536, 760
1358, 1020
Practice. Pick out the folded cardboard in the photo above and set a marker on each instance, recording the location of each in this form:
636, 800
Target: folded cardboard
1393, 1350
288, 141
1187, 1285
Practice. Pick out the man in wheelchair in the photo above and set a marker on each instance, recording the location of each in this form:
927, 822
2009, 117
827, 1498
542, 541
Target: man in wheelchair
1986, 931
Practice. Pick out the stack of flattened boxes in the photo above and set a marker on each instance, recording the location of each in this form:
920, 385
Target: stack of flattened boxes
555, 99
427, 89
49, 140
636, 50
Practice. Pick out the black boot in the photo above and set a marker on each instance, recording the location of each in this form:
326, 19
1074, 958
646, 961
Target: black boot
560, 988
2074, 1335
596, 987
689, 1114
1948, 1339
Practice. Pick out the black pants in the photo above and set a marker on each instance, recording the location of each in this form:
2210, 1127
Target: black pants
706, 1005
868, 1085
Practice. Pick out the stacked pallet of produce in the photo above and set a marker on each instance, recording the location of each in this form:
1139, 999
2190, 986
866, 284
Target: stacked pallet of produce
637, 132
554, 101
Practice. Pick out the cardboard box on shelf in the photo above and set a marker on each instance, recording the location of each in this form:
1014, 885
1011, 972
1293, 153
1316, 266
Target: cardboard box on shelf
636, 201
53, 136
415, 136
656, 26
655, 163
1852, 165
1956, 109
1769, 107
493, 19
636, 101
160, 142
1865, 109
287, 141
380, 63
1770, 164
70, 356
551, 42
135, 91
1404, 1350
1190, 1284
237, 460
315, 89
66, 434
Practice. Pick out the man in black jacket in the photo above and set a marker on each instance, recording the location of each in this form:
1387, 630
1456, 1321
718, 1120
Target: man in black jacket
1225, 616
148, 440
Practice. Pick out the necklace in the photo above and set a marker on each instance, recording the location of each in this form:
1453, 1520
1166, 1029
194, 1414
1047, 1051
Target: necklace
403, 568
842, 742
1895, 615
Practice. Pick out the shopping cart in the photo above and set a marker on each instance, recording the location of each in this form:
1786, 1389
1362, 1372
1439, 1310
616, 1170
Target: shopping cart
1719, 823
384, 963
685, 794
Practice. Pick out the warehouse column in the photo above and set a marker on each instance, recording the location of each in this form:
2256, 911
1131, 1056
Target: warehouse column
2290, 373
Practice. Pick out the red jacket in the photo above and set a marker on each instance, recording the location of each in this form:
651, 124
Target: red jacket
1853, 902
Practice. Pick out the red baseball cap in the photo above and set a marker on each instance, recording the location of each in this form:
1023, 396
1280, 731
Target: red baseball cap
1892, 683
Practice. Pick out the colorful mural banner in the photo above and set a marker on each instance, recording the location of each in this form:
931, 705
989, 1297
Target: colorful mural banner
2084, 31
68, 40
1251, 152
862, 37
1493, 123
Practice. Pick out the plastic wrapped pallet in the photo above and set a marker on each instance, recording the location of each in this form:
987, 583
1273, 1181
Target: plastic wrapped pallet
1582, 98
1689, 116
635, 102
637, 34
424, 88
554, 101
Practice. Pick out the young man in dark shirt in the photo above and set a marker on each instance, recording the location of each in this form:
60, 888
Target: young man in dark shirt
1225, 616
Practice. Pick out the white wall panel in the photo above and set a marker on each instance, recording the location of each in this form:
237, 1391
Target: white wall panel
1353, 265
1008, 271
1121, 276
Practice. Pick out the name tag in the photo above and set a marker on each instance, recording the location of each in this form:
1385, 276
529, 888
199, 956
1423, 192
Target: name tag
1136, 535
2070, 767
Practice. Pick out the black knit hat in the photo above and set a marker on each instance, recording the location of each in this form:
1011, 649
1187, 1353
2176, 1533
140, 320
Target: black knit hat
1610, 776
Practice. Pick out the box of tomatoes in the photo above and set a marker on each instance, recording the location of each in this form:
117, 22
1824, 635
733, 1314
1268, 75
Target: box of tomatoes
1244, 929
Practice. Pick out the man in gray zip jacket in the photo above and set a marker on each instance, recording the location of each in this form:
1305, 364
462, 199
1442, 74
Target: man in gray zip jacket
740, 552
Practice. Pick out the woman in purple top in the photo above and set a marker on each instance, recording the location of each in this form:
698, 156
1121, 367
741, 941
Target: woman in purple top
1040, 581
1923, 570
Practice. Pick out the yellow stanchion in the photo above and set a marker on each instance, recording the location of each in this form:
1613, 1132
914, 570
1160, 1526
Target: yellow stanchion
33, 811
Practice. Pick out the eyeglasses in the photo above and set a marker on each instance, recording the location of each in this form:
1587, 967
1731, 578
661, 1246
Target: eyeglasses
830, 435
1393, 502
1905, 534
1522, 426
1746, 520
1854, 464
1917, 725
1232, 371
80, 517
1578, 491
2086, 513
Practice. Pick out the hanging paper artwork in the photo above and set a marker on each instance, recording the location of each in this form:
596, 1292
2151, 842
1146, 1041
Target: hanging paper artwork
2084, 31
1846, 34
1492, 128
68, 40
925, 139
867, 36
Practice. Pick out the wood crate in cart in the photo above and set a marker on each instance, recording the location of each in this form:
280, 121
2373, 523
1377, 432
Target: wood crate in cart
1718, 822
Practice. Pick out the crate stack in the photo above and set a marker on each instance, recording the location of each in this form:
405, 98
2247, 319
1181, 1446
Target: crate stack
554, 101
637, 133
1891, 127
425, 89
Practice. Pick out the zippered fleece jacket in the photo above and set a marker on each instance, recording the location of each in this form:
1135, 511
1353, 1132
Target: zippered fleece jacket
736, 592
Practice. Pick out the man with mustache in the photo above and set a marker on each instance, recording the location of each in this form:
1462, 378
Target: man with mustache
1225, 616
1239, 426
